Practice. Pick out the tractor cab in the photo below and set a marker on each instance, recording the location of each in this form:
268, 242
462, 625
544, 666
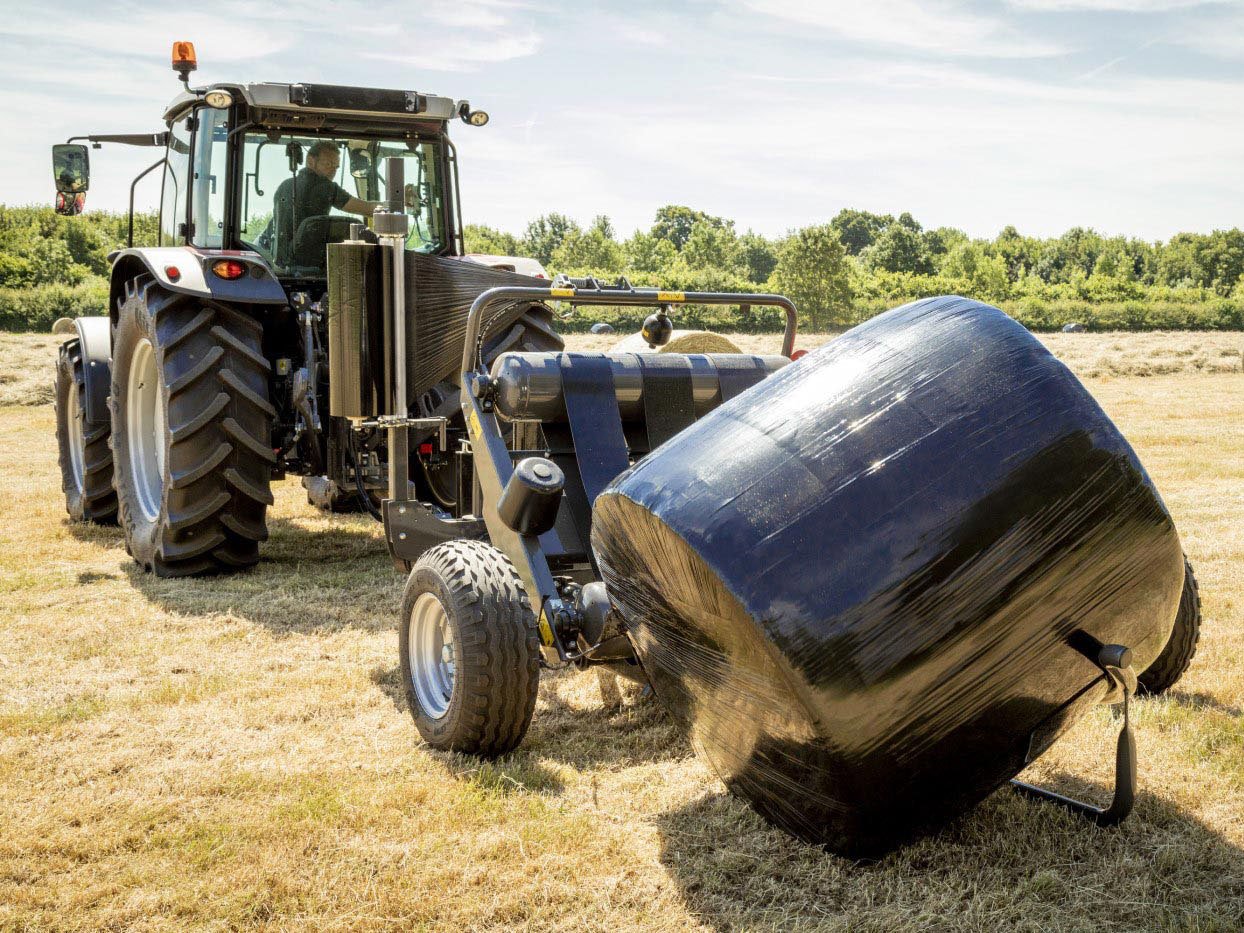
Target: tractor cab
283, 170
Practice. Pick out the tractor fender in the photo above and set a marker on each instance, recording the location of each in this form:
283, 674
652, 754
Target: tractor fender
95, 343
193, 276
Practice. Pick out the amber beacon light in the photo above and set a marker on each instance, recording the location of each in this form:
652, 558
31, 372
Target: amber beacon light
184, 60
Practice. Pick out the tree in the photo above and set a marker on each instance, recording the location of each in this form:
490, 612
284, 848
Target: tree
545, 234
711, 246
758, 257
941, 241
985, 274
645, 252
674, 222
899, 249
859, 229
812, 270
481, 239
594, 251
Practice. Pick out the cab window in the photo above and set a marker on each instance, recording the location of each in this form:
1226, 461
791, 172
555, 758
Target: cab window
210, 160
174, 192
300, 193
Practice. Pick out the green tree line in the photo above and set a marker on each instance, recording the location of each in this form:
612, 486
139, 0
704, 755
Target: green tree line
838, 273
860, 263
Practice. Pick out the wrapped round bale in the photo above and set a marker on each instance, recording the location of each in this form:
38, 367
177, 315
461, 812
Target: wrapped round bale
872, 586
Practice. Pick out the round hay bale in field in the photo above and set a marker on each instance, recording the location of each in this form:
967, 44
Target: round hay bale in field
600, 327
63, 327
681, 341
1074, 328
872, 587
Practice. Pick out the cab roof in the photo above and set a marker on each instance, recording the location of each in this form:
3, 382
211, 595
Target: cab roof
311, 104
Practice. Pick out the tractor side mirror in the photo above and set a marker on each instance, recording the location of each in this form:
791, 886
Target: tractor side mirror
71, 170
71, 165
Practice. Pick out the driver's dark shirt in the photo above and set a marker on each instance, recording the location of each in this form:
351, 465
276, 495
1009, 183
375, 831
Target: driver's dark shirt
307, 194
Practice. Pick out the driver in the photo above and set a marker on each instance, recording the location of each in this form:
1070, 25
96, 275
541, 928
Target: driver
311, 194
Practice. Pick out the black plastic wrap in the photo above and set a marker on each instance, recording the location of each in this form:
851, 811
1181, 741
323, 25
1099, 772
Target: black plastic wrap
439, 295
870, 587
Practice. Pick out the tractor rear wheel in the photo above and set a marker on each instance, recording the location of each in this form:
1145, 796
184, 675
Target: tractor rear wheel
84, 455
1170, 665
191, 432
470, 655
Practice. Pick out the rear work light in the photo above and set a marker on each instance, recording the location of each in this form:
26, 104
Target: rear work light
229, 268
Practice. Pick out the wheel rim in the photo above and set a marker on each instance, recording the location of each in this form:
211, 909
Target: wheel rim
145, 428
77, 443
432, 655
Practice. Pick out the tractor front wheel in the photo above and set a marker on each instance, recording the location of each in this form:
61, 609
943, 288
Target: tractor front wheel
85, 457
470, 655
191, 432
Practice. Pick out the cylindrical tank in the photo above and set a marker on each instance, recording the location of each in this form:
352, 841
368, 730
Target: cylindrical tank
529, 385
871, 587
357, 332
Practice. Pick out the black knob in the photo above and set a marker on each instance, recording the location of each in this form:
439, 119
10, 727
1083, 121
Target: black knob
531, 497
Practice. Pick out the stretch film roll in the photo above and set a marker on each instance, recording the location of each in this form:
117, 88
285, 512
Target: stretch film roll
871, 586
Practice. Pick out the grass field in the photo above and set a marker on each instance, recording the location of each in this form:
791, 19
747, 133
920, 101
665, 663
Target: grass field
235, 752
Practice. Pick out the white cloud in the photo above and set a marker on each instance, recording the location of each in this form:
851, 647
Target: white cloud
1110, 6
463, 52
891, 105
922, 25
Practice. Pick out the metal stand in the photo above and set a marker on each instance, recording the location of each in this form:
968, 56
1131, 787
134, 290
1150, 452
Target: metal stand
1116, 662
391, 226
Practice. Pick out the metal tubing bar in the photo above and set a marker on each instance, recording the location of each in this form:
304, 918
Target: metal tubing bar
638, 297
399, 441
134, 184
125, 139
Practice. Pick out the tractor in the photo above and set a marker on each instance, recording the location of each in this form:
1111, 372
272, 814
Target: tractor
310, 310
208, 378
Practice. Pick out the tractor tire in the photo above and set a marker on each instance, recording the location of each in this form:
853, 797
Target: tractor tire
191, 432
470, 655
1170, 665
83, 452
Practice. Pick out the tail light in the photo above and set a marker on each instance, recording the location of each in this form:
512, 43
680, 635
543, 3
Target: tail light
229, 268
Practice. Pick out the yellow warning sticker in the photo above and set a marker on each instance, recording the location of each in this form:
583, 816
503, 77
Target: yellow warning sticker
671, 296
474, 425
562, 292
546, 630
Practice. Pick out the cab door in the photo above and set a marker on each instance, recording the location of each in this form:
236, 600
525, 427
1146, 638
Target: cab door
175, 190
209, 183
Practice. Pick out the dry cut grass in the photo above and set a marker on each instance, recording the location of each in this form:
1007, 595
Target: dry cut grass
234, 753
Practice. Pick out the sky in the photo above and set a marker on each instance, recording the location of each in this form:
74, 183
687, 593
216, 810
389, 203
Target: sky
1123, 115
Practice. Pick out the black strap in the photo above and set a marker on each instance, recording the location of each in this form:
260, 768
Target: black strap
572, 534
595, 427
669, 406
738, 378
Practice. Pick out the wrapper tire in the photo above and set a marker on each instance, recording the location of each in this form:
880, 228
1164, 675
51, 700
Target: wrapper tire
871, 587
1180, 649
496, 649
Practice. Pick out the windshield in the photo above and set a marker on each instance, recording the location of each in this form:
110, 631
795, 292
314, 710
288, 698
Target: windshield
301, 193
